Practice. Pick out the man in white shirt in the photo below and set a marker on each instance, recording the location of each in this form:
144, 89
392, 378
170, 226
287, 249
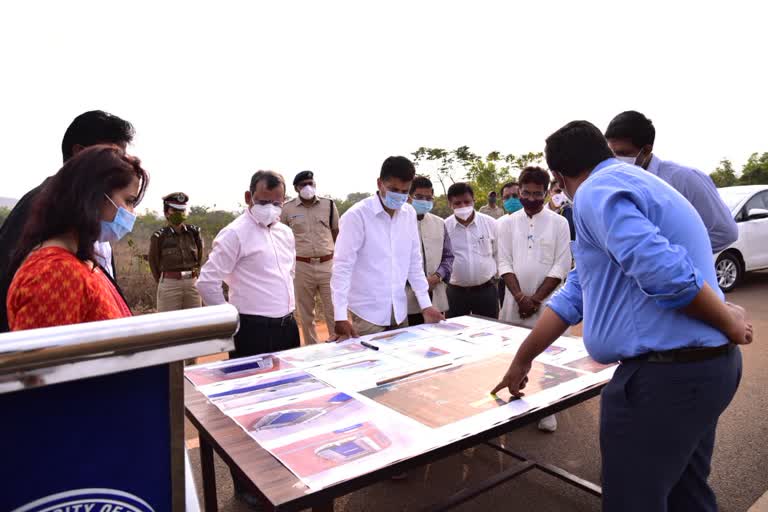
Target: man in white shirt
534, 256
377, 251
256, 256
472, 288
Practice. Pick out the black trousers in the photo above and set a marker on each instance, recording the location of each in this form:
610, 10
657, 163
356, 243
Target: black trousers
657, 432
478, 300
416, 319
502, 292
260, 334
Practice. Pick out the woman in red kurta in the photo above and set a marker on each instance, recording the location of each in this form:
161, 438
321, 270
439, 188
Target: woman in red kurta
53, 287
90, 199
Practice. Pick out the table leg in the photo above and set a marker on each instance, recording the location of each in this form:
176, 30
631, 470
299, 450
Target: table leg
324, 507
209, 477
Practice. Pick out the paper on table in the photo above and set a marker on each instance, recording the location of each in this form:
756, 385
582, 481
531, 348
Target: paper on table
571, 353
335, 436
324, 432
471, 321
320, 353
447, 395
393, 338
433, 349
354, 448
447, 328
361, 371
231, 369
234, 394
458, 400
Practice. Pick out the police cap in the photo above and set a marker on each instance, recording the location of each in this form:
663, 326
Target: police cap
177, 201
303, 175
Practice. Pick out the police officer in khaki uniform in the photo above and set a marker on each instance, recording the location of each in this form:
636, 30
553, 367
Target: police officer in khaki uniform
175, 257
315, 225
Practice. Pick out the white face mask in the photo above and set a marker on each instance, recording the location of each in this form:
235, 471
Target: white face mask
558, 199
637, 160
562, 186
266, 214
464, 212
307, 192
627, 159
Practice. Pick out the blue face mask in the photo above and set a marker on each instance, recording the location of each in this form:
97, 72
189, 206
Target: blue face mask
512, 204
117, 228
421, 206
394, 200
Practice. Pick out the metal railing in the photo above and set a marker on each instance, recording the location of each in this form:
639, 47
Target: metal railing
177, 334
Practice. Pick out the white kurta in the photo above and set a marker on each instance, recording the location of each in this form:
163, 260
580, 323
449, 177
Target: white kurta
532, 249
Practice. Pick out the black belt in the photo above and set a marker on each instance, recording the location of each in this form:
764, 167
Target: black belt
492, 282
179, 274
268, 321
683, 355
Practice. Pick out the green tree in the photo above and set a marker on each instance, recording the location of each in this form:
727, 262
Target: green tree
484, 173
198, 211
149, 221
724, 175
210, 221
447, 163
345, 204
755, 171
441, 208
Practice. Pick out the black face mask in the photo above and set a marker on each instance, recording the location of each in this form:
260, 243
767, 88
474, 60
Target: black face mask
491, 200
532, 204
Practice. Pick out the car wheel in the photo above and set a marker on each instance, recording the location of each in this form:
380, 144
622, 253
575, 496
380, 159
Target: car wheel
729, 271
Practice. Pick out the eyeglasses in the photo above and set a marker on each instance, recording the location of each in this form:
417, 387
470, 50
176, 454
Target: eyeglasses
536, 195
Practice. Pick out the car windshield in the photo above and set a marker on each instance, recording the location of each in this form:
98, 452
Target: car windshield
732, 196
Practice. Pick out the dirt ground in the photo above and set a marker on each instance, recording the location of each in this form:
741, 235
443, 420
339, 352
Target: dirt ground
738, 475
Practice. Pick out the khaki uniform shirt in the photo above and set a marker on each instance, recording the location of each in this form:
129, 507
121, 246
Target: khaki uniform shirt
312, 226
170, 251
493, 212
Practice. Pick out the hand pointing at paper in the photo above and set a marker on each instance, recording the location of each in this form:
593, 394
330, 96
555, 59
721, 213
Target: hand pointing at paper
514, 380
432, 315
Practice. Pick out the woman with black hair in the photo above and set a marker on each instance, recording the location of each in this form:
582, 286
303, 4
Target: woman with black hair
58, 282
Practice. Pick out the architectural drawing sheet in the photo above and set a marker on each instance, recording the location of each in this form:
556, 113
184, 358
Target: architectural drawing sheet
209, 373
334, 411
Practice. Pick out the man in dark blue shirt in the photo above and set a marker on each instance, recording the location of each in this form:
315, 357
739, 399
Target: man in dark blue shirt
645, 287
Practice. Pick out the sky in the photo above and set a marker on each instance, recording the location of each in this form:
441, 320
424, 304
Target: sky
218, 90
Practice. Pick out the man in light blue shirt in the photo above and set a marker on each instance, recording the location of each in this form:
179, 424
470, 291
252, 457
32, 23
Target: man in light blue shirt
645, 287
631, 135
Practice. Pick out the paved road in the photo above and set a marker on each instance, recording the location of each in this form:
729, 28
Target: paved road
739, 475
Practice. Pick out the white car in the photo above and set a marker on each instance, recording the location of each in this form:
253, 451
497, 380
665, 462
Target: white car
749, 206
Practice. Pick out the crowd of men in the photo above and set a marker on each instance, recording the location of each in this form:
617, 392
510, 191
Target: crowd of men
389, 262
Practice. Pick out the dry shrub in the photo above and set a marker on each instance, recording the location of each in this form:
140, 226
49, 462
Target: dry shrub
134, 276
